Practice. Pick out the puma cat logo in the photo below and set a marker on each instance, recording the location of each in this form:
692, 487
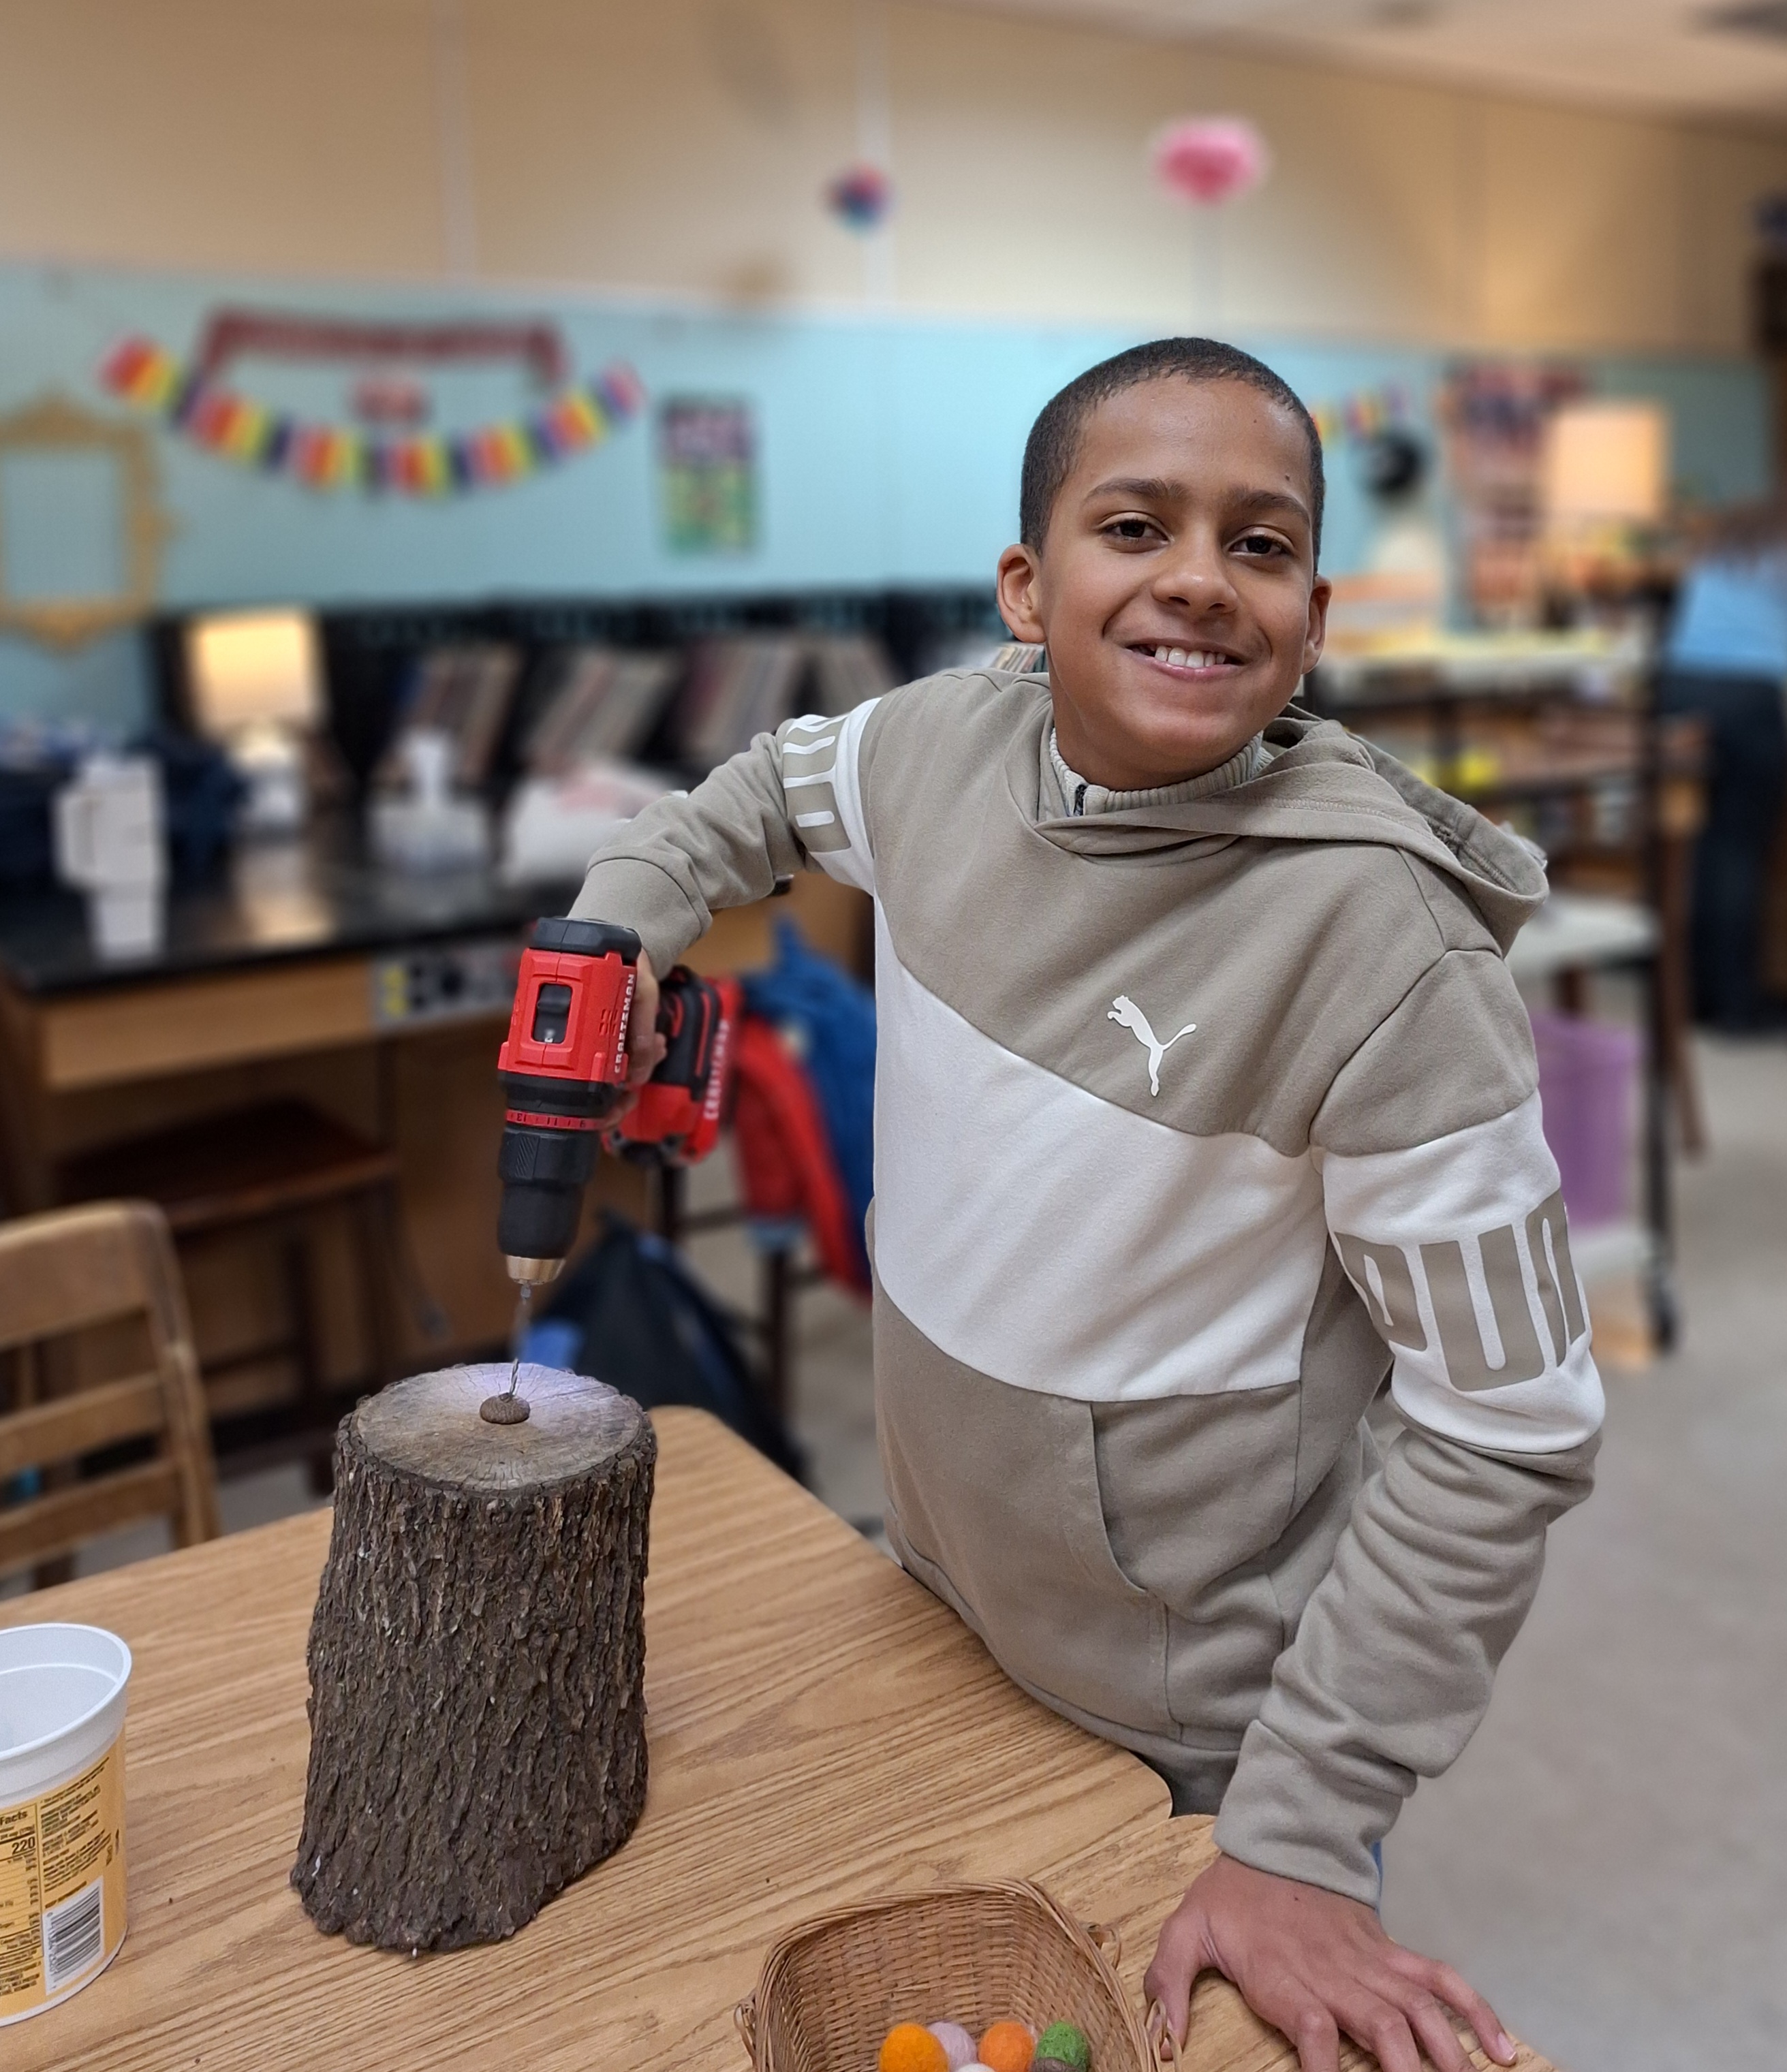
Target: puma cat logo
1123, 1009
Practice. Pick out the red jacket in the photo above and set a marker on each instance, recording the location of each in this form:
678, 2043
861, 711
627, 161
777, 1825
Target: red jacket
785, 1156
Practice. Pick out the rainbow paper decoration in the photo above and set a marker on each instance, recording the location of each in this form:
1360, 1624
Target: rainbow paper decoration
342, 457
1360, 415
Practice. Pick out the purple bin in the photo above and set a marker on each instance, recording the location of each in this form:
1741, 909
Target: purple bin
1588, 1076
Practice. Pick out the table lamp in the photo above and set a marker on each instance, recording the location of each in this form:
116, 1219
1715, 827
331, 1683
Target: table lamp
255, 679
1604, 481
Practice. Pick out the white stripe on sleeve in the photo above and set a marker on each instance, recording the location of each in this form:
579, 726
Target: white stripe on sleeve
821, 754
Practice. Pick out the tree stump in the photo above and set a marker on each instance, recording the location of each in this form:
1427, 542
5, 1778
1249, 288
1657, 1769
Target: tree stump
477, 1658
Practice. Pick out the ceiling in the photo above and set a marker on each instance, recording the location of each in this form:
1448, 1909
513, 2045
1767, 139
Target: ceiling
1709, 57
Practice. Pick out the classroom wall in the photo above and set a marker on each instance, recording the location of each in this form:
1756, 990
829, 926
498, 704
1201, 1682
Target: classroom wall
650, 178
681, 148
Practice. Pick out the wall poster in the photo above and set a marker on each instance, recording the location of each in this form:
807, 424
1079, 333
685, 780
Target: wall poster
1494, 414
707, 474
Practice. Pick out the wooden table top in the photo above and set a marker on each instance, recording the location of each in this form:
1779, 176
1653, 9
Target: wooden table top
822, 1730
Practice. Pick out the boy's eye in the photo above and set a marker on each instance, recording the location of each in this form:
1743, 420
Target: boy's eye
1262, 544
1128, 529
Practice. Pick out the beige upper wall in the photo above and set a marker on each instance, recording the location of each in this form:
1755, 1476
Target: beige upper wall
680, 147
220, 132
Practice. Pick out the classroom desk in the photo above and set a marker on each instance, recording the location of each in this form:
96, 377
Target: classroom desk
291, 948
821, 1730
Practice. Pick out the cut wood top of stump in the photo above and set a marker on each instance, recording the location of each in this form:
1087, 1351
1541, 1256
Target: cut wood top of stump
428, 1426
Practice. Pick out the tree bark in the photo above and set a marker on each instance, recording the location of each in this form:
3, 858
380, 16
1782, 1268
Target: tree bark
476, 1658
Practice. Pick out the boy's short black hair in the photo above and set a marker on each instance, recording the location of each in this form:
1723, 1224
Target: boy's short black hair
1054, 440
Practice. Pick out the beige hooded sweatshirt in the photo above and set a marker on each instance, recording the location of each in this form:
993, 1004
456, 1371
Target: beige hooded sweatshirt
1192, 1119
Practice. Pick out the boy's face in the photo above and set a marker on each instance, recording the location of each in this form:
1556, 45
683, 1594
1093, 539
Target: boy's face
1176, 587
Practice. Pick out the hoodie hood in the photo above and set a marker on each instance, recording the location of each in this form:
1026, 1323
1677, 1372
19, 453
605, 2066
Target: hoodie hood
1321, 783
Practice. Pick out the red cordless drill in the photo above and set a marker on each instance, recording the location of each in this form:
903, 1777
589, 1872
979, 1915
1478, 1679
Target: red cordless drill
563, 1069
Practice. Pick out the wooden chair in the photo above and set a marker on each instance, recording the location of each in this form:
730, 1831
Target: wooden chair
65, 1272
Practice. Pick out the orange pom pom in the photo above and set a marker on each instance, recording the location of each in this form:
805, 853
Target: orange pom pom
1007, 2046
910, 2048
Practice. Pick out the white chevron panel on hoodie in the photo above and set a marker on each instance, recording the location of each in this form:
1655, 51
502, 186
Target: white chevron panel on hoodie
1064, 1245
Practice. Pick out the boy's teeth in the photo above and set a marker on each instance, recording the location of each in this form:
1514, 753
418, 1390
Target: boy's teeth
1185, 658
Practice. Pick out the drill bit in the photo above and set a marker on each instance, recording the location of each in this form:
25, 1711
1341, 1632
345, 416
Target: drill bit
523, 1308
506, 1407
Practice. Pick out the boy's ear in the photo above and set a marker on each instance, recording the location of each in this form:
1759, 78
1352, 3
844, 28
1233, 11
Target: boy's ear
1315, 634
1020, 574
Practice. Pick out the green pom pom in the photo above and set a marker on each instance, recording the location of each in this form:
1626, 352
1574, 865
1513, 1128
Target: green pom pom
1066, 2045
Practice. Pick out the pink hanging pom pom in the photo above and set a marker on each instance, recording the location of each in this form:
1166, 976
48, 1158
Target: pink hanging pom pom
1210, 158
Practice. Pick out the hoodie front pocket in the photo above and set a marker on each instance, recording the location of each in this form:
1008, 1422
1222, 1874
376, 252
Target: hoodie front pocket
996, 1490
1192, 1494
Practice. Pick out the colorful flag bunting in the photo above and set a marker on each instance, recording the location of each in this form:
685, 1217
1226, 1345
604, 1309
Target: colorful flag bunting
577, 420
1359, 415
335, 457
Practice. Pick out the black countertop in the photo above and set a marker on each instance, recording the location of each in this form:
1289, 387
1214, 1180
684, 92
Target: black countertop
317, 896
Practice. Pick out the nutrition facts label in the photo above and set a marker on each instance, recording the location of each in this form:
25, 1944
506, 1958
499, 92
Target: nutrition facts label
61, 1884
21, 1904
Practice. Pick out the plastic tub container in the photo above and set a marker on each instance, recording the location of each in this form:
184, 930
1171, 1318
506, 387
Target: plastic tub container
62, 1697
1588, 1074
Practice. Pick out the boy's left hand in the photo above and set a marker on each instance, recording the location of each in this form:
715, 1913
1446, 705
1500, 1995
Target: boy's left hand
1316, 1966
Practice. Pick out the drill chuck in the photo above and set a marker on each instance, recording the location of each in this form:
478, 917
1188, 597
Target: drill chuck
543, 1172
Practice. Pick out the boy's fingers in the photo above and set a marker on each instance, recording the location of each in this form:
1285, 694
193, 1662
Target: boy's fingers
1372, 2018
1160, 2023
1384, 2030
1167, 1982
1173, 2013
1459, 1994
639, 1068
1182, 1952
1433, 2028
1315, 2032
645, 1048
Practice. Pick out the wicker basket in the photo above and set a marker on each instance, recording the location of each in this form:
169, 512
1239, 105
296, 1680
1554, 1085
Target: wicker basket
976, 1954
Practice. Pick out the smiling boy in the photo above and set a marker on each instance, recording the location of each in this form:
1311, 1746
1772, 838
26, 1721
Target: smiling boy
1204, 1099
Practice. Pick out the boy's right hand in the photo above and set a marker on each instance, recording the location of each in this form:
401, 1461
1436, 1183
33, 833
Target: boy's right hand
645, 1047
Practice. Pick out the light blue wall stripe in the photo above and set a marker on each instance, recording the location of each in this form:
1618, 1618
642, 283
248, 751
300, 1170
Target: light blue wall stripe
890, 453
